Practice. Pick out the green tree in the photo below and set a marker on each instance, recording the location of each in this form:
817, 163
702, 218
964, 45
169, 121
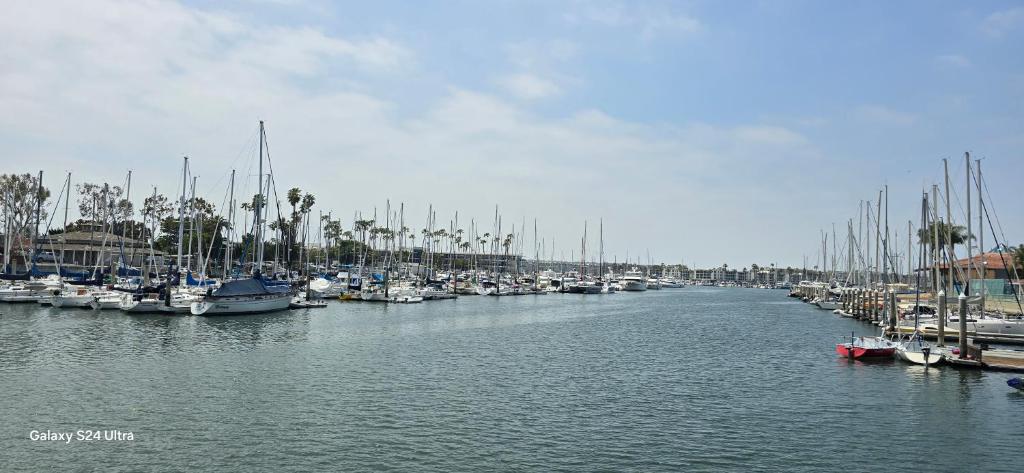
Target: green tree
20, 195
957, 234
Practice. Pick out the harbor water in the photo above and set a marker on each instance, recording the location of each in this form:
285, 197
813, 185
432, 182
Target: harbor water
691, 379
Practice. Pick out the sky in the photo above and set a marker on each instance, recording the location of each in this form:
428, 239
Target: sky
698, 132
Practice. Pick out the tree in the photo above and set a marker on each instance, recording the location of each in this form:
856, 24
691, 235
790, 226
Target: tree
957, 234
103, 203
1018, 257
20, 196
155, 209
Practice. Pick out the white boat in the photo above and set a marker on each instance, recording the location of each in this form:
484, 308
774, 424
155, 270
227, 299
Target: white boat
243, 296
653, 284
140, 304
912, 350
670, 283
373, 294
75, 297
828, 304
301, 302
324, 288
105, 300
30, 291
633, 281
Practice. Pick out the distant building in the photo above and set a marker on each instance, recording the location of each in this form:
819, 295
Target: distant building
92, 248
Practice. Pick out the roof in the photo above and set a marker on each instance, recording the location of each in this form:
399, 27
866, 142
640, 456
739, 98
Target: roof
991, 260
87, 237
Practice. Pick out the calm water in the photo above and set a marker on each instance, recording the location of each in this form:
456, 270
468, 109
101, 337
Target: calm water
686, 379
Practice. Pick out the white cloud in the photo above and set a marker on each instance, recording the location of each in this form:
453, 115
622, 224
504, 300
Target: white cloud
883, 115
953, 60
648, 23
529, 86
999, 23
107, 87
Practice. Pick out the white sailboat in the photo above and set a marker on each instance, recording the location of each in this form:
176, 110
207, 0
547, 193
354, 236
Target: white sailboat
252, 295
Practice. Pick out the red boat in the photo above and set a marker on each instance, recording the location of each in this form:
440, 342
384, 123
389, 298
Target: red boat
866, 347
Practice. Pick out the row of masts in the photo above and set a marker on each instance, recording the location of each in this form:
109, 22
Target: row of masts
937, 239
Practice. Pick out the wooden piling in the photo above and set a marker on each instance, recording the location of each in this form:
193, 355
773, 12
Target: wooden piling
962, 300
942, 319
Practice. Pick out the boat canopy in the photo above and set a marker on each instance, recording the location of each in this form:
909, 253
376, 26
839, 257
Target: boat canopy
246, 287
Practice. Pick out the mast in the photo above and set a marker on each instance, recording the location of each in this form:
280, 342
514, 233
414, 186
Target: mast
970, 251
917, 297
181, 215
258, 210
124, 226
981, 238
936, 284
39, 210
64, 240
600, 268
878, 235
949, 232
231, 225
910, 263
885, 242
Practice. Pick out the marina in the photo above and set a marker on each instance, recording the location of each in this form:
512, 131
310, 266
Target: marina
609, 236
523, 382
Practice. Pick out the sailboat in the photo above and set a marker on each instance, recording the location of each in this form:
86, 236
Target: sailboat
252, 295
914, 349
866, 347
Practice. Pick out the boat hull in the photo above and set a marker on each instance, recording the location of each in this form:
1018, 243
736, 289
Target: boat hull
851, 351
634, 286
241, 305
918, 358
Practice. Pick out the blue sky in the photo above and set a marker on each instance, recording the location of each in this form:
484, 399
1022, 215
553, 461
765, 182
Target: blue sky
704, 132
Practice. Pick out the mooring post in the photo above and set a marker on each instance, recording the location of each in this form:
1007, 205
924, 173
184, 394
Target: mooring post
942, 319
892, 310
962, 300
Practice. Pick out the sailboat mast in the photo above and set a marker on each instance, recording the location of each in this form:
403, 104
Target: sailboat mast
231, 225
181, 212
67, 200
949, 232
936, 284
970, 251
39, 210
258, 209
885, 250
981, 239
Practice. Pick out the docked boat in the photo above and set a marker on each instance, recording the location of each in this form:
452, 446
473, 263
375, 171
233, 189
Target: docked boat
140, 303
105, 300
917, 351
866, 347
670, 283
244, 296
634, 281
75, 297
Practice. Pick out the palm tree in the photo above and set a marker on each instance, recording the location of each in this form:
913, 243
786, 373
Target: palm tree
1018, 257
957, 234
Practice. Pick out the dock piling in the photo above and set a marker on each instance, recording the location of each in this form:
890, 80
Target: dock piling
942, 319
962, 300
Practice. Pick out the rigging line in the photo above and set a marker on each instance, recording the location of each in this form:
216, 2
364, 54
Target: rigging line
991, 203
243, 151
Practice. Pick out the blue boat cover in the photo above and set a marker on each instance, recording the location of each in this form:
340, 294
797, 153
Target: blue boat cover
247, 287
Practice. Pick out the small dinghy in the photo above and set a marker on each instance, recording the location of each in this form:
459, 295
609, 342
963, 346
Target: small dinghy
298, 303
1016, 383
866, 347
917, 351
